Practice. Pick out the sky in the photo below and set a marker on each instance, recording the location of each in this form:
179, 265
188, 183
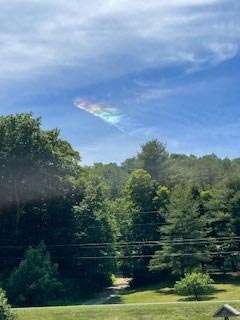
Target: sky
113, 74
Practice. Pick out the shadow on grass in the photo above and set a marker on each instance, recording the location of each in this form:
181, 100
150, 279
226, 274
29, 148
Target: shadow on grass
167, 288
233, 279
116, 299
166, 291
204, 298
172, 291
152, 287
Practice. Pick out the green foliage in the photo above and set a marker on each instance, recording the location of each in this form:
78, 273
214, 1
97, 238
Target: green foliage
28, 155
35, 281
181, 251
162, 199
37, 190
94, 223
153, 158
146, 200
139, 189
208, 171
112, 175
220, 224
195, 284
5, 310
175, 199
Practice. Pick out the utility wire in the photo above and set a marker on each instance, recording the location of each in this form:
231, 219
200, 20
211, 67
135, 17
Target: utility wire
154, 243
151, 255
160, 242
136, 256
135, 224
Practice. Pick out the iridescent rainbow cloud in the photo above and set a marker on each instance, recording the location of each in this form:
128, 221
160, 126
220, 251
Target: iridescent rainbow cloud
106, 113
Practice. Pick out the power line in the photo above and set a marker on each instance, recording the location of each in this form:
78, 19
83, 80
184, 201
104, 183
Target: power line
137, 211
236, 252
122, 220
135, 224
153, 243
152, 255
158, 242
162, 241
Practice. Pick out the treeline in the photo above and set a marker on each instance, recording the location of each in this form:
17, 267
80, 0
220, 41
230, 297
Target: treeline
66, 229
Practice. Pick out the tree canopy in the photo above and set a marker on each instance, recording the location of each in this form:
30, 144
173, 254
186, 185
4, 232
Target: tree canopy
157, 213
195, 285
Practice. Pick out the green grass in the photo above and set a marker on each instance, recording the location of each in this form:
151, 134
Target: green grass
227, 288
133, 307
174, 311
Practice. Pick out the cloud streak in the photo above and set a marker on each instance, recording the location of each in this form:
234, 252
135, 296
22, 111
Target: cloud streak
108, 114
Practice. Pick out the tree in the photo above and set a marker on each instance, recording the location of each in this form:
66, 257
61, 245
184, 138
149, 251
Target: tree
208, 170
181, 169
5, 309
234, 211
113, 175
181, 250
232, 207
161, 200
33, 162
146, 199
140, 190
154, 159
35, 281
220, 226
194, 284
94, 224
37, 170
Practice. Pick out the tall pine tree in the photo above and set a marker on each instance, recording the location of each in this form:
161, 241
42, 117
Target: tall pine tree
182, 246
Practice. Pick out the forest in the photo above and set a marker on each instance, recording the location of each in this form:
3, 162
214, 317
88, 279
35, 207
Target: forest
67, 229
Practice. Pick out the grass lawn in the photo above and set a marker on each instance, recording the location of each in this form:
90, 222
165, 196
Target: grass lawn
135, 305
227, 288
173, 311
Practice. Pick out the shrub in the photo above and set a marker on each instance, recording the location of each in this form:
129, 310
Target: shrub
195, 284
35, 281
5, 309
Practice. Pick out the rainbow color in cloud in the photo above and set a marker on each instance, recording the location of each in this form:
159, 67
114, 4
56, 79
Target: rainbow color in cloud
108, 114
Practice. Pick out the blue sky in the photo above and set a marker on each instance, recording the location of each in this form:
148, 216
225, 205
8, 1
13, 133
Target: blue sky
112, 74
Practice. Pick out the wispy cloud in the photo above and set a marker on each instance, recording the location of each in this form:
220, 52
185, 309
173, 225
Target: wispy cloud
159, 91
104, 39
108, 114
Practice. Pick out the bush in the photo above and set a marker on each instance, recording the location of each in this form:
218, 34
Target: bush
5, 309
195, 284
34, 282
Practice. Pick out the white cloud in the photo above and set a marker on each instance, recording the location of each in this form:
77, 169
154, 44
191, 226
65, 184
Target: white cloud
110, 38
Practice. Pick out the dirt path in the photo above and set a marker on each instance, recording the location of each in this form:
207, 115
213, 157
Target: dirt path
110, 292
